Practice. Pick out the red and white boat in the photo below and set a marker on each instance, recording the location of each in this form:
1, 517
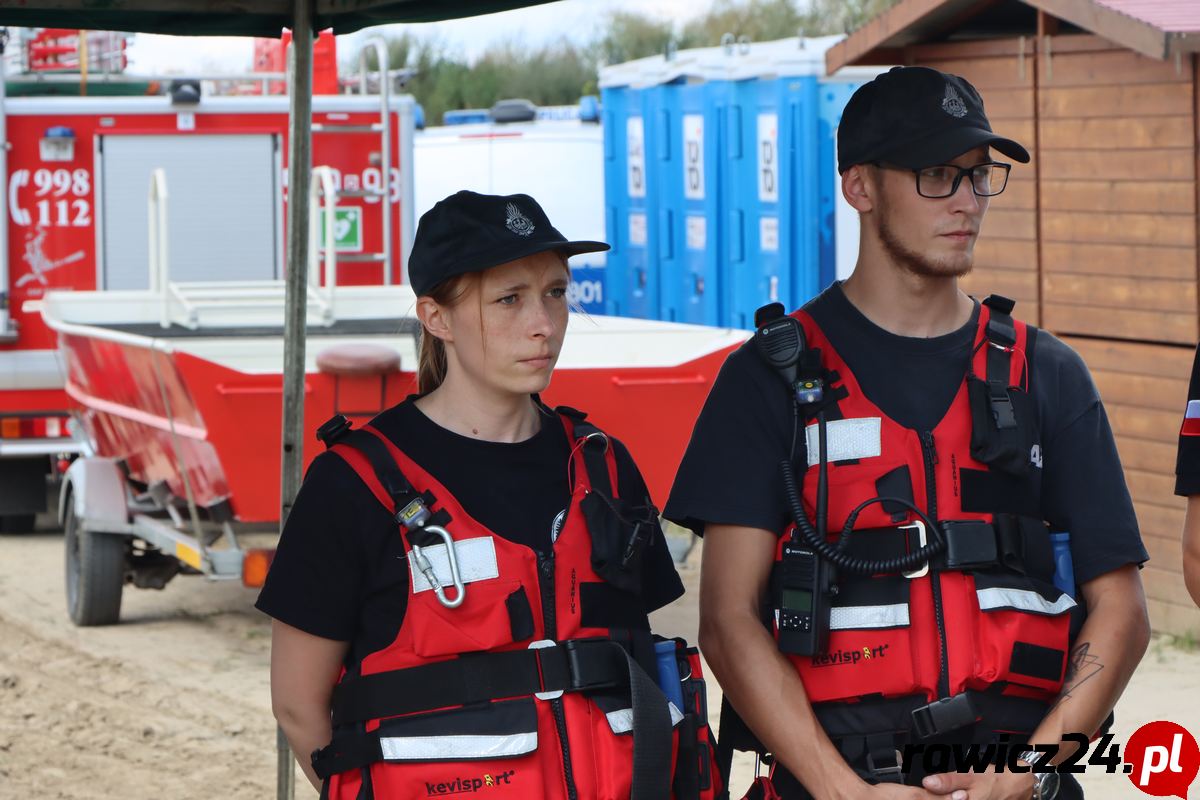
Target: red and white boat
185, 419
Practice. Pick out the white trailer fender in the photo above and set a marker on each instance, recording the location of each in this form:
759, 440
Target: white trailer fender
96, 487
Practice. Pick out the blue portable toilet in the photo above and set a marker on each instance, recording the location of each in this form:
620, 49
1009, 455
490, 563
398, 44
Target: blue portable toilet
741, 203
838, 222
689, 174
630, 116
767, 210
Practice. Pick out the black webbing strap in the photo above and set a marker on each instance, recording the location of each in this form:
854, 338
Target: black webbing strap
576, 665
651, 734
1001, 335
390, 476
345, 753
688, 765
595, 448
1014, 542
994, 712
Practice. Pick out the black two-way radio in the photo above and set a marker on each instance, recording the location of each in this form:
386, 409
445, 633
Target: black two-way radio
804, 581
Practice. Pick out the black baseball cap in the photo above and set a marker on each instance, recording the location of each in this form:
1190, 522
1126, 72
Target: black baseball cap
916, 117
470, 232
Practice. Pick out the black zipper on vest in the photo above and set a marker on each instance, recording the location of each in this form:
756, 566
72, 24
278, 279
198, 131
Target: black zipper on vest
935, 578
549, 617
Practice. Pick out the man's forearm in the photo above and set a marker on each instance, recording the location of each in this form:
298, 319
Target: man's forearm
1100, 664
769, 696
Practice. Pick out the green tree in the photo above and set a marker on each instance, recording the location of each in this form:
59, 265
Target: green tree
630, 35
759, 20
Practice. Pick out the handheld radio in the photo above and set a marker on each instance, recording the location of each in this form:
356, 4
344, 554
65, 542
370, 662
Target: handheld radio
804, 580
803, 600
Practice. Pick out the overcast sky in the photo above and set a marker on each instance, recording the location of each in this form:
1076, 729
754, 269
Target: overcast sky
577, 19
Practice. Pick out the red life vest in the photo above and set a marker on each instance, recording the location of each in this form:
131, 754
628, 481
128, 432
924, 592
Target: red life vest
983, 642
524, 690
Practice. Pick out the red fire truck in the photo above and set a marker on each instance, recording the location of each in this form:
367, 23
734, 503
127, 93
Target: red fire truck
73, 201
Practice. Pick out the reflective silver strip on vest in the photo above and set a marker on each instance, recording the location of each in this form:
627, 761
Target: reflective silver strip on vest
857, 617
476, 562
848, 438
621, 720
1023, 600
458, 747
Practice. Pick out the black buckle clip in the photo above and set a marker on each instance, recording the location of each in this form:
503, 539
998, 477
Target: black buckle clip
1002, 407
578, 665
970, 544
333, 429
594, 664
885, 774
943, 716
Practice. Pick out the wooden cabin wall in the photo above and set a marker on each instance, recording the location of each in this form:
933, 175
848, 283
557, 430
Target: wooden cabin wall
1006, 257
1144, 387
1117, 136
1098, 234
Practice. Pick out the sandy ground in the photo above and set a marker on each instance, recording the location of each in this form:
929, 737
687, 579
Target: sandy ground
174, 701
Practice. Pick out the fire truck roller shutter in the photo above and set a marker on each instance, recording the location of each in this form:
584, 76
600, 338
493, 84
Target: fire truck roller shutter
223, 210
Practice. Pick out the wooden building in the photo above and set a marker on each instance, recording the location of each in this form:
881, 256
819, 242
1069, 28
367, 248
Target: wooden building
1097, 237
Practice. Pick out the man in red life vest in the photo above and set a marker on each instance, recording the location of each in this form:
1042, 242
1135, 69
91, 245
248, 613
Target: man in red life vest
886, 528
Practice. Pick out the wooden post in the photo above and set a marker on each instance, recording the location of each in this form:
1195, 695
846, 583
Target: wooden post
296, 302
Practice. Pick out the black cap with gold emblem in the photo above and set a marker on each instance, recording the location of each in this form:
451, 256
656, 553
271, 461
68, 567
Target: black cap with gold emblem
470, 232
916, 117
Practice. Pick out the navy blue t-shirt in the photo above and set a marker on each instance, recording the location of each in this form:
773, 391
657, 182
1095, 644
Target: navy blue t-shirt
338, 572
730, 471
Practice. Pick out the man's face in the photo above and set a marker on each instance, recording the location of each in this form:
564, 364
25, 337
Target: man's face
927, 236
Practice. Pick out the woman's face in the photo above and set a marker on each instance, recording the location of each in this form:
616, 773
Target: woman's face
506, 331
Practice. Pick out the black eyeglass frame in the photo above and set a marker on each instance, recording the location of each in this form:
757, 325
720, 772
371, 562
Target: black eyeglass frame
961, 173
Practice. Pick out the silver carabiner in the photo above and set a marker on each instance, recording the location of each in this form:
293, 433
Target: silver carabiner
426, 568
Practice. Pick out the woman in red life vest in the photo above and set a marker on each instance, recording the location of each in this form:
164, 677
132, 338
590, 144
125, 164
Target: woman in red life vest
460, 594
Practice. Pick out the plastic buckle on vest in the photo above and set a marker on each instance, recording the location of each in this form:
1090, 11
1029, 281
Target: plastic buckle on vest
887, 773
333, 429
593, 664
969, 544
943, 716
1001, 404
922, 539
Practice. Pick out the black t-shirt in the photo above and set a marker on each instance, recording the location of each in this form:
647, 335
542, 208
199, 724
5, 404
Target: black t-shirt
1187, 465
730, 471
338, 572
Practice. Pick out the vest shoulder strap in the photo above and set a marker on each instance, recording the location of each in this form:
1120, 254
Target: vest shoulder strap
598, 457
364, 450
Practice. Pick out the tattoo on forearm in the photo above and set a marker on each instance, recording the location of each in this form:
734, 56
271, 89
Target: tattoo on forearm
1081, 667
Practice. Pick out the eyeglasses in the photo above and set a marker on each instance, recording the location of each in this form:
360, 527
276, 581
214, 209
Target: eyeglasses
942, 180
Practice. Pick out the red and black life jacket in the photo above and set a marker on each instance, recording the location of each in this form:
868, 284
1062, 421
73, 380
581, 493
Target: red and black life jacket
537, 685
978, 645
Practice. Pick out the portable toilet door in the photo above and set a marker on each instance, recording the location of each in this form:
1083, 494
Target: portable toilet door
837, 221
631, 281
665, 159
803, 183
758, 199
691, 279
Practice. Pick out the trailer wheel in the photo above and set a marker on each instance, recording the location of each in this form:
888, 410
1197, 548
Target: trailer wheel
95, 573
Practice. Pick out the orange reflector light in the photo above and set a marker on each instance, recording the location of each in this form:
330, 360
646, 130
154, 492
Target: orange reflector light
255, 565
10, 428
